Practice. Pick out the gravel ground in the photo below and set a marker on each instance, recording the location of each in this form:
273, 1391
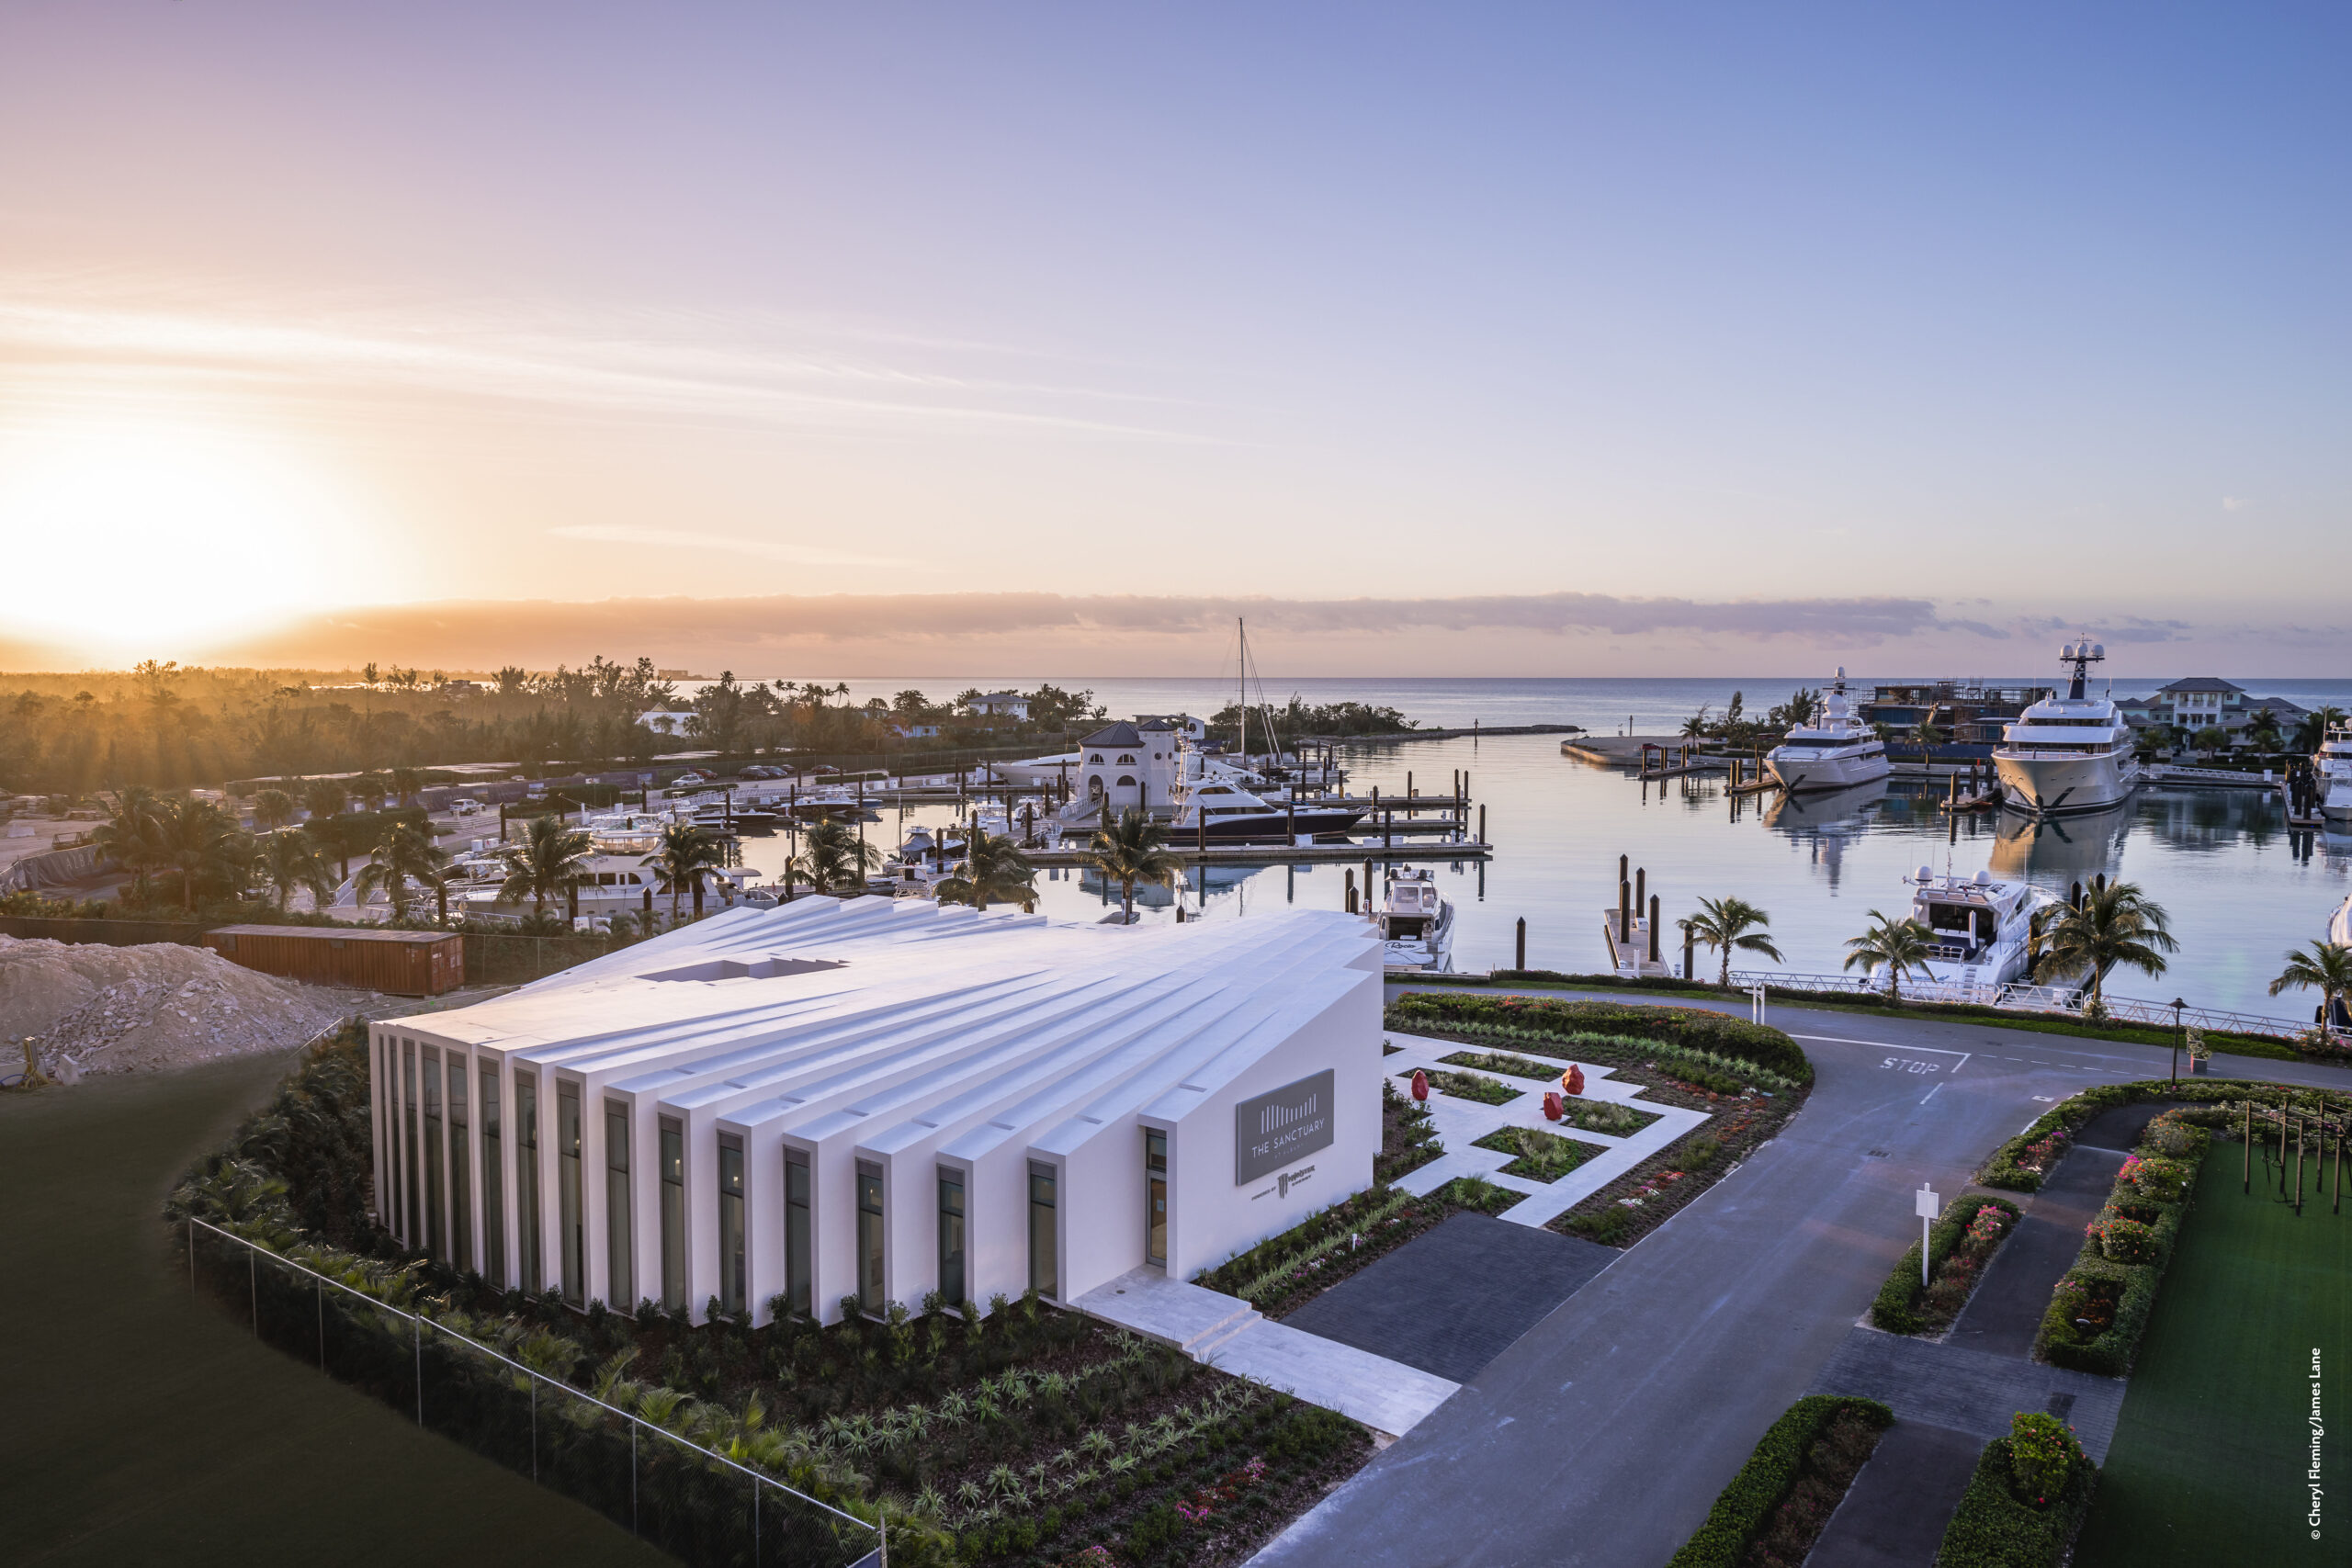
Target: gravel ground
93, 1008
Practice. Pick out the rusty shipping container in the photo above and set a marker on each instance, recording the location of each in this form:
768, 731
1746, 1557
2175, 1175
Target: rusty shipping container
408, 963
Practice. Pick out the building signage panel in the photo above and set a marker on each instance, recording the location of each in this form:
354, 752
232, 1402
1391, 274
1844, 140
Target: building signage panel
1270, 1131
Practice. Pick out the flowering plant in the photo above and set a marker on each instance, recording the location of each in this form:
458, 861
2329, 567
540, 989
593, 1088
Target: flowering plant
2043, 1455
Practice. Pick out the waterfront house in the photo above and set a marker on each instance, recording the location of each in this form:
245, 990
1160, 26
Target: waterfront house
869, 1101
1122, 765
1002, 705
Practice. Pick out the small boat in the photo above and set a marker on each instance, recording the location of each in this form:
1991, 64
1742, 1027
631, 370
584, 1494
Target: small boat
1982, 925
1836, 750
1416, 924
2069, 753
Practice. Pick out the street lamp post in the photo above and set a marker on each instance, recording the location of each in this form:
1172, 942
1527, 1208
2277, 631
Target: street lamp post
2176, 1004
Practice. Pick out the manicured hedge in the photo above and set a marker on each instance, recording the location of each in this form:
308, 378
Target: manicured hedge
2109, 1354
1992, 1530
1745, 1507
1896, 1310
1694, 1028
2001, 1169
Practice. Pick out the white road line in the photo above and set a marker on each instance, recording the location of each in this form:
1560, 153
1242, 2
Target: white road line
1882, 1045
1929, 1095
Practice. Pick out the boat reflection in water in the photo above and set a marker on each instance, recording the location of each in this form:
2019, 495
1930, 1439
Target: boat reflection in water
2055, 853
1826, 823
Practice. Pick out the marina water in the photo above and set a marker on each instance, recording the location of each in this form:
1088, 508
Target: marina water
2240, 887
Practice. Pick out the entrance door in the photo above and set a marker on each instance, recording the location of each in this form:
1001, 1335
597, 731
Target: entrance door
1155, 1185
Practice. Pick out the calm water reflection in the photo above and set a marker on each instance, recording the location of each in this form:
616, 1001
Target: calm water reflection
2241, 889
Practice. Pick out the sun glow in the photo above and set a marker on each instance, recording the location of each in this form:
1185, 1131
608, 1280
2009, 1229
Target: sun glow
150, 539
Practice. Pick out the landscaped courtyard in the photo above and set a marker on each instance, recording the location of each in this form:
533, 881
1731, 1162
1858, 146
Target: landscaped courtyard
2208, 1465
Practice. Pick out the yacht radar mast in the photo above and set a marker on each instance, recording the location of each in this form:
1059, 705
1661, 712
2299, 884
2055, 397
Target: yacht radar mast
2081, 654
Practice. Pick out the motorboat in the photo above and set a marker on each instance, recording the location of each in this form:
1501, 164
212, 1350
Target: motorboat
1416, 923
2339, 927
2070, 754
2332, 772
1225, 813
1982, 925
1835, 750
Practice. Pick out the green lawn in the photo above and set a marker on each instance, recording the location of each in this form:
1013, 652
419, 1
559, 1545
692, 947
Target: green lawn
2208, 1465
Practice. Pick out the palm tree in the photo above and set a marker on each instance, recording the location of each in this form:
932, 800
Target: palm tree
1133, 850
273, 808
406, 853
687, 853
2324, 967
994, 870
406, 782
2155, 743
324, 798
1695, 726
2313, 730
130, 839
290, 858
2262, 732
1902, 945
2116, 923
203, 843
1727, 923
371, 789
550, 863
830, 855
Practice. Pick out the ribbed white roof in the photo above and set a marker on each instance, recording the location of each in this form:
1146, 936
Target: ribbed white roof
900, 1016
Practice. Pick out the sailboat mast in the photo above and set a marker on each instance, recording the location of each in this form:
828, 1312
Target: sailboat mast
1241, 693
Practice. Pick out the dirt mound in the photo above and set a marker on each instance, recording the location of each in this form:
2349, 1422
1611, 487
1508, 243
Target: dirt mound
92, 1009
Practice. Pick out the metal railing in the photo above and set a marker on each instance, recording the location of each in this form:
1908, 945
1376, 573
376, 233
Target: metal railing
2068, 999
696, 1504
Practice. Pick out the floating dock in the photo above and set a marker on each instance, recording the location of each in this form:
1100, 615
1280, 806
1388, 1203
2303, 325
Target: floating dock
1290, 854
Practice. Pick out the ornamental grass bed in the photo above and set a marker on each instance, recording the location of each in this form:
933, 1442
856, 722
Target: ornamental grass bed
1540, 1156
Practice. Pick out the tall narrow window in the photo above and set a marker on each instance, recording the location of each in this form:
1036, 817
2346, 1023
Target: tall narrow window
461, 1163
533, 1245
951, 1234
1043, 1233
415, 1229
1155, 1205
620, 1259
573, 1235
387, 1091
799, 1285
493, 1185
436, 1240
869, 1236
674, 1214
730, 1223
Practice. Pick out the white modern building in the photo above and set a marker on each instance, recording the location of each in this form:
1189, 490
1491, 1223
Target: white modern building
878, 1098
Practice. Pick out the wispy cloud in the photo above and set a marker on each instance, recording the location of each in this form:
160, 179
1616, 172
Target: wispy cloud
2237, 503
787, 550
753, 368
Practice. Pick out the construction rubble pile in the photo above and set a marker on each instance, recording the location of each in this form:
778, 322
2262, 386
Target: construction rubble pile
92, 1009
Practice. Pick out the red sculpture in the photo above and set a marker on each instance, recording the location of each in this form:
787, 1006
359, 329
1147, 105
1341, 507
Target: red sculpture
1552, 1105
1420, 1084
1575, 1079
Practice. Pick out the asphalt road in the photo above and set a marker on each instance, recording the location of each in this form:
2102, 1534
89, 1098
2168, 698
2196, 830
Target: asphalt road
1601, 1437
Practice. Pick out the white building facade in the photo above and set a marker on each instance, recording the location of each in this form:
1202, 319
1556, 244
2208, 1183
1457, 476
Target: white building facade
1122, 766
839, 1104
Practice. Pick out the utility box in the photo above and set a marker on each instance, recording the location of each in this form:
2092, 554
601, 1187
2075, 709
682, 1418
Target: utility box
406, 963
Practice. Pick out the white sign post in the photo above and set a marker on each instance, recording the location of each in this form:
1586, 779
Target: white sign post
1930, 1207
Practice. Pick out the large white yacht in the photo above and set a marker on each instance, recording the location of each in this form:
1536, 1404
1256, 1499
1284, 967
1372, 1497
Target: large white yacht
2069, 753
1837, 751
1225, 813
1983, 926
2332, 772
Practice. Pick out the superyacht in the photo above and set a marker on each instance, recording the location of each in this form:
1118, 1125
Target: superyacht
2069, 753
1836, 750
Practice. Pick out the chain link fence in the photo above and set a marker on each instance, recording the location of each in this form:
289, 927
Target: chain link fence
697, 1505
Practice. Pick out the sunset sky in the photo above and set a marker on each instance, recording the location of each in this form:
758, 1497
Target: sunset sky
1570, 339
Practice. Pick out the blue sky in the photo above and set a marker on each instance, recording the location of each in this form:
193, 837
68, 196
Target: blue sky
2032, 315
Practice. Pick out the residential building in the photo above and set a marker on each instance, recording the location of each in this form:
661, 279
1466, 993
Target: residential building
1971, 714
869, 1101
1002, 705
1122, 766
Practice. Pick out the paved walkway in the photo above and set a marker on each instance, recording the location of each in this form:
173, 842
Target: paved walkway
1969, 1390
1227, 1333
1462, 1123
1453, 1298
1895, 1513
2004, 1317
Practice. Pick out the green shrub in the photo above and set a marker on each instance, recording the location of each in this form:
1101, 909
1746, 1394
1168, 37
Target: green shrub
1695, 1028
1896, 1309
1745, 1507
1607, 1227
1994, 1528
2043, 1456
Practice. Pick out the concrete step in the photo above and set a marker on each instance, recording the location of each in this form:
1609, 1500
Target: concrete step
1207, 1345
